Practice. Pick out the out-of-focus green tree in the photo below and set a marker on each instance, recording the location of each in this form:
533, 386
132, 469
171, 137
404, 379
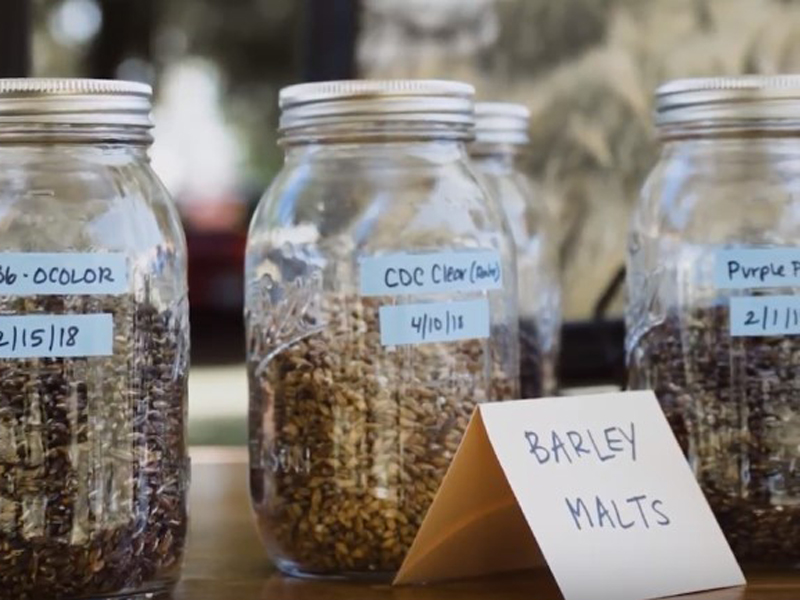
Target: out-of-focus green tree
251, 44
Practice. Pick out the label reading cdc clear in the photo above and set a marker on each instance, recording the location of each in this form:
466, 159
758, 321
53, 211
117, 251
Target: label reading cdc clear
411, 274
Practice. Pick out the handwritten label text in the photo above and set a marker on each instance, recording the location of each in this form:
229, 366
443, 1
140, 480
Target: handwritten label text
404, 274
39, 336
556, 447
764, 315
740, 268
638, 510
434, 322
574, 445
30, 273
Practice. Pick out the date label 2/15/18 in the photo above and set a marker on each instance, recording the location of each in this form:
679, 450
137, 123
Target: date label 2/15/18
56, 336
764, 315
429, 322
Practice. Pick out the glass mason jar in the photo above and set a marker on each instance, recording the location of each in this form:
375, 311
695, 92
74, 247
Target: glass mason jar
94, 341
714, 300
380, 308
501, 136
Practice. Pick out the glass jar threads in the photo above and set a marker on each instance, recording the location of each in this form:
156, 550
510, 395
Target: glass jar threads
377, 314
501, 135
94, 341
714, 298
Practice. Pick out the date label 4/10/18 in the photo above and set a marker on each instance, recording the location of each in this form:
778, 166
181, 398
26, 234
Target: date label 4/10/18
764, 315
429, 322
56, 336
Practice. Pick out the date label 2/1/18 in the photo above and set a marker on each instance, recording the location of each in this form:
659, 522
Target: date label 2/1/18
429, 322
764, 315
56, 336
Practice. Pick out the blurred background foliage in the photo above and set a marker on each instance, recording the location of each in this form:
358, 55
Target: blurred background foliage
585, 68
244, 49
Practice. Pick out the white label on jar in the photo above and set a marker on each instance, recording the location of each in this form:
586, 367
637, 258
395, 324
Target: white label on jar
765, 315
739, 268
405, 274
31, 273
434, 322
56, 336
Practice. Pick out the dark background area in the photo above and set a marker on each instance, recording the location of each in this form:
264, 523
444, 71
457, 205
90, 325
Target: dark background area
253, 48
585, 68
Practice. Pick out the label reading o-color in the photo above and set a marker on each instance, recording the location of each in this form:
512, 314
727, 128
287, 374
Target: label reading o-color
56, 336
57, 273
434, 322
742, 268
408, 274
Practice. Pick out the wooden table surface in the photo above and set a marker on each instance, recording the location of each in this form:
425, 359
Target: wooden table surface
225, 559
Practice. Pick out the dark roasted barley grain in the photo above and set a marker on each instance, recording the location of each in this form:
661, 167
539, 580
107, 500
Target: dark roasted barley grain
734, 405
93, 467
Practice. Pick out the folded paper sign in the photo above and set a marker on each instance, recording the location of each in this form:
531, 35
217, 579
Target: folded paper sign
595, 488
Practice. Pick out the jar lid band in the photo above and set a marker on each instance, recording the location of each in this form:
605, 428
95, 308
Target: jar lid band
95, 102
501, 123
717, 100
354, 102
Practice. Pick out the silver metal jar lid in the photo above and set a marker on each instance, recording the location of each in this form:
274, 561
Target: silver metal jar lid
75, 102
362, 101
501, 123
728, 99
